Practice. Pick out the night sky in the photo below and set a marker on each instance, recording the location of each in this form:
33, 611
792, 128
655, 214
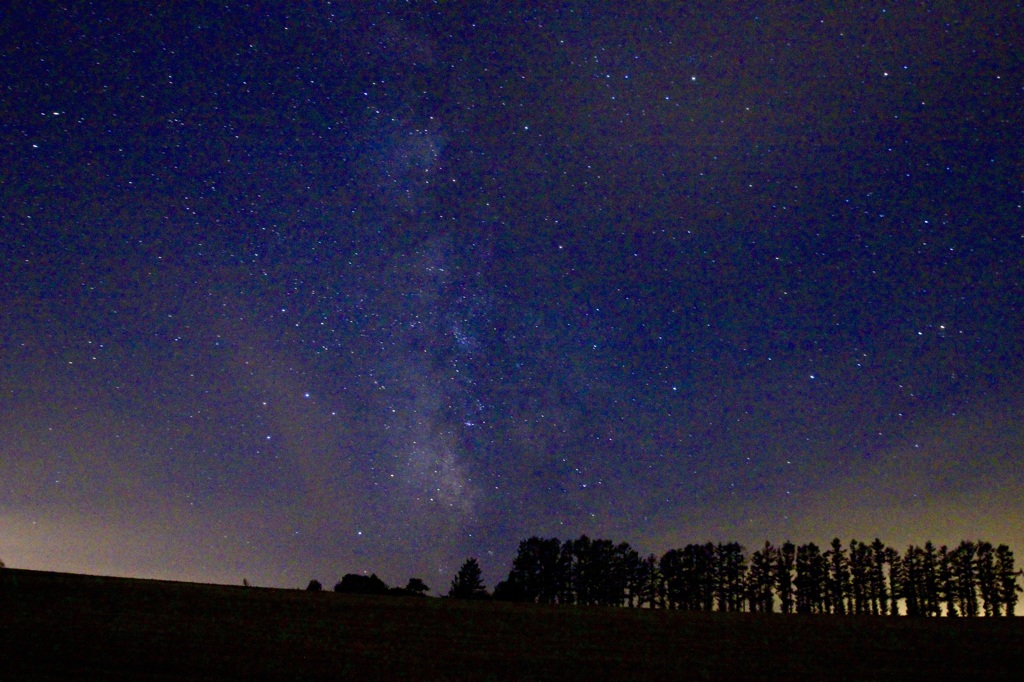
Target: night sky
293, 290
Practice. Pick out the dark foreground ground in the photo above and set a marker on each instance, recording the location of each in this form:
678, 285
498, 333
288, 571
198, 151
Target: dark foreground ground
60, 626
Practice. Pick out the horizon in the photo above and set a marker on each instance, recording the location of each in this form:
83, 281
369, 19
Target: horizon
489, 587
636, 595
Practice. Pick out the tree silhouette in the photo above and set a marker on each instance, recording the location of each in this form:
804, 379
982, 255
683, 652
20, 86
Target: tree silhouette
730, 576
468, 582
538, 571
880, 560
634, 572
353, 583
761, 580
947, 590
597, 570
912, 581
671, 568
567, 590
577, 557
1006, 578
930, 587
649, 583
860, 577
988, 581
964, 578
509, 590
622, 586
314, 586
690, 576
838, 581
897, 579
811, 575
865, 579
417, 587
700, 569
785, 562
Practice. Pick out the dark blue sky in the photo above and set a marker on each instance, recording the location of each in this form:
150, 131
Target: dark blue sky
342, 287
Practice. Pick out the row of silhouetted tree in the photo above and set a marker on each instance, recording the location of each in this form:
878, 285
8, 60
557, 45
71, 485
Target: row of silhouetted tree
467, 584
971, 579
353, 583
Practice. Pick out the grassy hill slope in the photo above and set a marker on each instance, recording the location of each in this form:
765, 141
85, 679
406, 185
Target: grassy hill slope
61, 626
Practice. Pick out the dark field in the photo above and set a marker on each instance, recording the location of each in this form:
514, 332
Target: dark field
60, 626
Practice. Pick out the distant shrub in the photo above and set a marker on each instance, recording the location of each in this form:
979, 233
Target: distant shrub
314, 586
417, 586
510, 590
414, 588
361, 584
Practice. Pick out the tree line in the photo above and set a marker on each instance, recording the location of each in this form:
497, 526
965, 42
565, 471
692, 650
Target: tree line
971, 579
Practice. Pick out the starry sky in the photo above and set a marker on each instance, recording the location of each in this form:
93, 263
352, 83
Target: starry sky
292, 290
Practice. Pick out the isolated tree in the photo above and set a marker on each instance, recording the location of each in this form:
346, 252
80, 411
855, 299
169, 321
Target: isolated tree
314, 586
468, 582
416, 586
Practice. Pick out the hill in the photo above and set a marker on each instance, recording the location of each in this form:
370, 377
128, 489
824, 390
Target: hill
62, 626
